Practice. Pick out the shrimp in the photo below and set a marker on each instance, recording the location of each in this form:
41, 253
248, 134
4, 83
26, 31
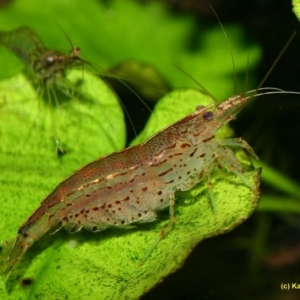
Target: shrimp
45, 66
131, 185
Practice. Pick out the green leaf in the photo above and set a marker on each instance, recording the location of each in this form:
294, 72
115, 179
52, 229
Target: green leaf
278, 180
296, 8
279, 204
270, 202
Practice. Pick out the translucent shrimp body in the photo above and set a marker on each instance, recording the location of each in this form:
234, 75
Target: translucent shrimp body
131, 185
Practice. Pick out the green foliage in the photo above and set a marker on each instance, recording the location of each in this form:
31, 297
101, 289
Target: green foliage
106, 265
120, 30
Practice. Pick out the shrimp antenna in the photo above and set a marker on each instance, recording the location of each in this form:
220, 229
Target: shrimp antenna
277, 59
232, 60
197, 82
247, 75
66, 35
230, 51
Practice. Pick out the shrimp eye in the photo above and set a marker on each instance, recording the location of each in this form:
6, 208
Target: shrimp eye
77, 51
49, 59
208, 116
199, 107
